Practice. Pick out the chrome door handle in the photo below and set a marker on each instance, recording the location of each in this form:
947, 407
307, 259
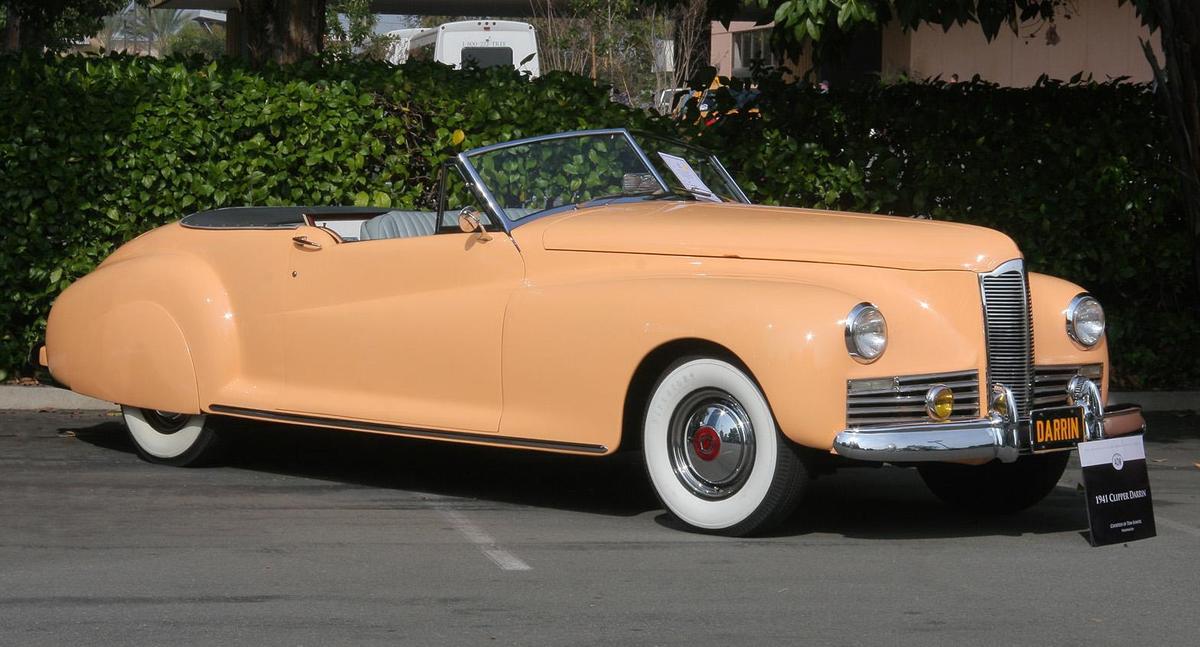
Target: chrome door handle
303, 241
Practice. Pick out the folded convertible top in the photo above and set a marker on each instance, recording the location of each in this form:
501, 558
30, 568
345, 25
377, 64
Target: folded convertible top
268, 217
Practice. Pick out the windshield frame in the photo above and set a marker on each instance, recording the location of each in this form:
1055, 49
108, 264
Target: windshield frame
481, 189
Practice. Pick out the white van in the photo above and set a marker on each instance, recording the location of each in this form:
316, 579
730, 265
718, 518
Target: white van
489, 43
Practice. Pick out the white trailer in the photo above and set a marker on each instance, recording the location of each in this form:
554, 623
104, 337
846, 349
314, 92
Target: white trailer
486, 43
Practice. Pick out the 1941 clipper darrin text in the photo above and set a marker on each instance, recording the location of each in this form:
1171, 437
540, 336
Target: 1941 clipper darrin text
592, 291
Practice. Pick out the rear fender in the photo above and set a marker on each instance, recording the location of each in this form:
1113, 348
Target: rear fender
142, 332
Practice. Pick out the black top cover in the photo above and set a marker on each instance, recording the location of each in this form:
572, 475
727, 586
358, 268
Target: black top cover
268, 217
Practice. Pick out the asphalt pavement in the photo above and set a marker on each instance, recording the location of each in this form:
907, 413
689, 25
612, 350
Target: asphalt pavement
306, 537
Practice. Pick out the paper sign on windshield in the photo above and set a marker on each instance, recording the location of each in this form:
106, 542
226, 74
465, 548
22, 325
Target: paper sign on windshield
688, 177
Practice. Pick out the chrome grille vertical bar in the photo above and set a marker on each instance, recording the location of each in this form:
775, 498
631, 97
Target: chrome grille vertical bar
1008, 327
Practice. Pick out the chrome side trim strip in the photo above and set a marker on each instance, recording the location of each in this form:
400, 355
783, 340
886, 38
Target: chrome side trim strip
396, 430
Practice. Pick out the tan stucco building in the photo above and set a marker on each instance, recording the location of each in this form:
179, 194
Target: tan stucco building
1099, 38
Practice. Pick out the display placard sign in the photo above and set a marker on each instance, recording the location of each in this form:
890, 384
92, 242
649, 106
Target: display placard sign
688, 177
1117, 487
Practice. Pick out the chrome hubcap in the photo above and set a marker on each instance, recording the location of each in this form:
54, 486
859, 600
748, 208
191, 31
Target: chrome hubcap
711, 444
165, 422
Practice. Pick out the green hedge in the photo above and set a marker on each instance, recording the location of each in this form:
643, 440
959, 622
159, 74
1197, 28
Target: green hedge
94, 151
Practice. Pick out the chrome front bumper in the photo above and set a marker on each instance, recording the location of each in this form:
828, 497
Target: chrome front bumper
974, 440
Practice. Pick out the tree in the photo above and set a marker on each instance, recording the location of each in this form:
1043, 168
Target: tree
281, 31
603, 39
827, 26
349, 24
33, 25
350, 30
692, 39
624, 43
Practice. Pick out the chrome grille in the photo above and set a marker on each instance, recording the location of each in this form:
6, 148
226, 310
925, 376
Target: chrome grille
1050, 382
1009, 329
892, 400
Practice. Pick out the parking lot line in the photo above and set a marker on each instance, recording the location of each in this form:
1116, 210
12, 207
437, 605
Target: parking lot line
474, 534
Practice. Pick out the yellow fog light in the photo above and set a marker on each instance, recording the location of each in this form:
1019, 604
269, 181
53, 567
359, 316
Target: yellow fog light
939, 402
1000, 402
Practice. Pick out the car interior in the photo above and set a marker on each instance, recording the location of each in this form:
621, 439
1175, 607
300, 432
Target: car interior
392, 224
399, 223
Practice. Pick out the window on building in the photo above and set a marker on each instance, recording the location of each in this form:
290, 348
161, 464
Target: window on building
749, 46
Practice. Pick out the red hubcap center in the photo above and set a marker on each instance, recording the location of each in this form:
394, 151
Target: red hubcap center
706, 443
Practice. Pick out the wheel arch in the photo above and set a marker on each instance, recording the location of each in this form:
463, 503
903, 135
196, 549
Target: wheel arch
651, 368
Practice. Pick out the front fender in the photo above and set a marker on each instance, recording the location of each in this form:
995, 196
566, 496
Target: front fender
1052, 346
570, 351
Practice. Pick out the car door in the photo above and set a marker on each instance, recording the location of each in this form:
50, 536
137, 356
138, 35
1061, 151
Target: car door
403, 330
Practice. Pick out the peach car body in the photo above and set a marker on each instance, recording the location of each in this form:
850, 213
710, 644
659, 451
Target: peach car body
549, 332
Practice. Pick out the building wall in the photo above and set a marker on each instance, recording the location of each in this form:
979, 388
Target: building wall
722, 48
1100, 38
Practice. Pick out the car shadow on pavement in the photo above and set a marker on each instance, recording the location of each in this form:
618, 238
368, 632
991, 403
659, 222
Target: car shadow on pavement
893, 503
883, 503
614, 485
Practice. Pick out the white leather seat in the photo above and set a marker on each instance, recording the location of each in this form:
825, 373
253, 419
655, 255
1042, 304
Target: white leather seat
399, 224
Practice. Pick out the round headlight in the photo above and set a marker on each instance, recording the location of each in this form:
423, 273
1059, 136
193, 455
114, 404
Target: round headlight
1085, 320
866, 333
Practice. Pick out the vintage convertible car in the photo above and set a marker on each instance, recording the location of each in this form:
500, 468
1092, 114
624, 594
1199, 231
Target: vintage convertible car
591, 291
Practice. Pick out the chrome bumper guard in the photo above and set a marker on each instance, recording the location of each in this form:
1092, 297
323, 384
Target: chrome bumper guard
996, 436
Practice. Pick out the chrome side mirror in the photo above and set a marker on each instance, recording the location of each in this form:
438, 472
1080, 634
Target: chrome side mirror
469, 223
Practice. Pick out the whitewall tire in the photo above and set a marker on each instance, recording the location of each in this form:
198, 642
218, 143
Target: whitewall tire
713, 453
171, 438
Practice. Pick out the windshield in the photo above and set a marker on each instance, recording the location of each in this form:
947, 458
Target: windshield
666, 155
529, 177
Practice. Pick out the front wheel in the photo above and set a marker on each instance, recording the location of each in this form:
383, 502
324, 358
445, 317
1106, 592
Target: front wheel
995, 487
172, 438
713, 453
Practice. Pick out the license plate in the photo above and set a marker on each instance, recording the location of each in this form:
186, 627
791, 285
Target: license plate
1057, 428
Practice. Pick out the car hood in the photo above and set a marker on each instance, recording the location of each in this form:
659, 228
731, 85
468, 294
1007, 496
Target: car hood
778, 233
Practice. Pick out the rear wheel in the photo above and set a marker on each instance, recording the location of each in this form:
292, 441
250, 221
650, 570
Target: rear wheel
172, 438
996, 488
713, 453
